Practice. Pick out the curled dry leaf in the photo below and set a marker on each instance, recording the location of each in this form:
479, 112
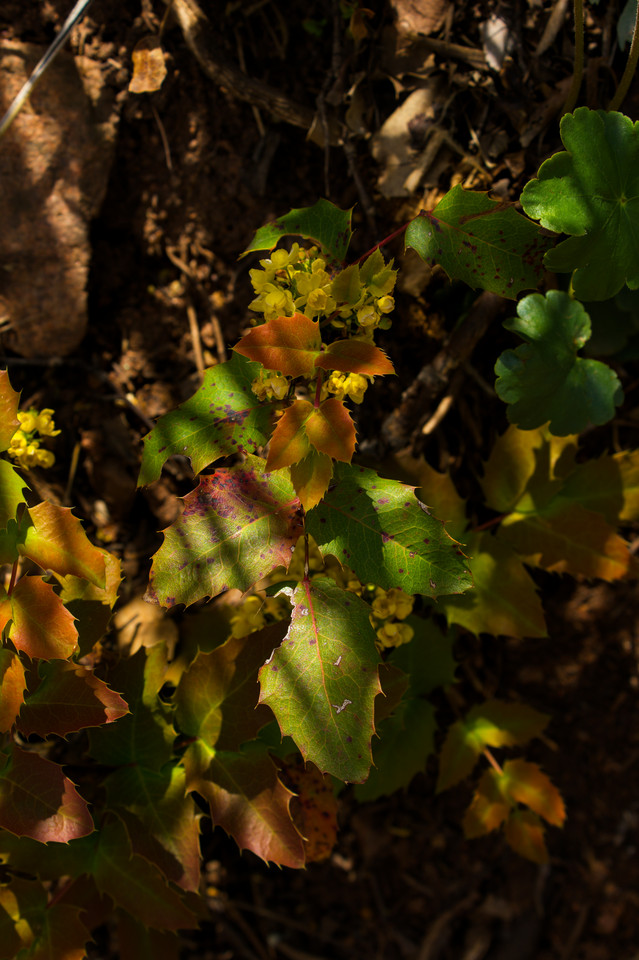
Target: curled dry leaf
149, 68
420, 16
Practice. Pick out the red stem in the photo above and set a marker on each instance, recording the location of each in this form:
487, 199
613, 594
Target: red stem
489, 523
14, 577
386, 240
318, 389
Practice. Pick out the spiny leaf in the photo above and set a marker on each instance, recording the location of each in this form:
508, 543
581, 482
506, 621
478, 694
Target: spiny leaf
11, 492
331, 430
65, 697
591, 191
236, 527
488, 809
322, 681
42, 626
314, 807
544, 379
56, 541
9, 401
38, 801
529, 785
247, 800
380, 529
478, 241
525, 835
311, 478
223, 418
290, 345
289, 442
61, 935
12, 687
91, 605
355, 356
324, 223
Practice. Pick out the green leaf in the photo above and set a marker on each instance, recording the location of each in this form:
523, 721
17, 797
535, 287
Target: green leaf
247, 799
322, 681
406, 741
223, 418
38, 801
591, 191
380, 529
478, 241
11, 492
428, 658
323, 223
544, 379
237, 525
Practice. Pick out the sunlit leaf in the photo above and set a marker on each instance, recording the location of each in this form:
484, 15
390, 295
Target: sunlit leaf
247, 800
458, 756
12, 488
149, 67
331, 430
289, 442
56, 541
38, 801
290, 345
12, 687
479, 241
591, 191
223, 418
9, 401
42, 626
501, 723
380, 529
355, 356
66, 697
323, 223
237, 525
311, 478
322, 681
91, 605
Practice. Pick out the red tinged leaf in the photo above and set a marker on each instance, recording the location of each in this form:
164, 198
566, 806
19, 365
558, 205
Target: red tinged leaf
12, 687
287, 344
236, 527
331, 430
67, 697
488, 809
355, 356
57, 542
529, 785
9, 400
248, 800
525, 835
289, 442
314, 807
38, 801
311, 478
42, 626
322, 681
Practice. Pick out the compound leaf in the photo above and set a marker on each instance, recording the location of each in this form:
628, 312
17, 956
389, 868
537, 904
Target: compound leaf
38, 801
544, 379
380, 529
237, 525
247, 800
477, 240
289, 345
323, 223
322, 681
67, 697
223, 418
591, 191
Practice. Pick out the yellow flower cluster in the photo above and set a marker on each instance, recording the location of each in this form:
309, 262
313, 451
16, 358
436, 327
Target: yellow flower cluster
391, 606
25, 445
292, 282
257, 612
364, 296
340, 385
270, 385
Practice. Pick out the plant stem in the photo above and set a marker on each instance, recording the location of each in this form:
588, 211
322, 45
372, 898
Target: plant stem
318, 389
386, 240
489, 523
14, 577
631, 66
573, 93
493, 762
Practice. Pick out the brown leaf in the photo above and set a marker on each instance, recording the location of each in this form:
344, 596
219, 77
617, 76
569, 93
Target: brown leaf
149, 68
419, 16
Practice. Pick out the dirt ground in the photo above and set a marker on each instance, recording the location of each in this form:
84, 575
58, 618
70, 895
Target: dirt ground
125, 216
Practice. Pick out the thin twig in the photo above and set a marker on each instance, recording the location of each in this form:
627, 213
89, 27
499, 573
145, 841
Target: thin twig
195, 339
578, 71
631, 66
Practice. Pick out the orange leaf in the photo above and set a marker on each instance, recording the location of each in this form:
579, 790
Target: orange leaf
289, 442
311, 477
355, 356
12, 687
529, 785
488, 809
42, 626
149, 68
9, 399
287, 344
57, 542
525, 834
331, 430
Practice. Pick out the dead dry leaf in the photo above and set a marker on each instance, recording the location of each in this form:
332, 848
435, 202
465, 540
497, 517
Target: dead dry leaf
420, 16
149, 68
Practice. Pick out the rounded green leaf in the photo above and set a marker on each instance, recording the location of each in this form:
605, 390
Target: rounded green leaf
591, 191
544, 379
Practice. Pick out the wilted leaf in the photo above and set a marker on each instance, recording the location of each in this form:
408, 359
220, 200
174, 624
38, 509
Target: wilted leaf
380, 529
289, 345
591, 191
323, 223
478, 241
38, 801
149, 68
237, 525
56, 541
247, 800
322, 681
544, 379
223, 418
